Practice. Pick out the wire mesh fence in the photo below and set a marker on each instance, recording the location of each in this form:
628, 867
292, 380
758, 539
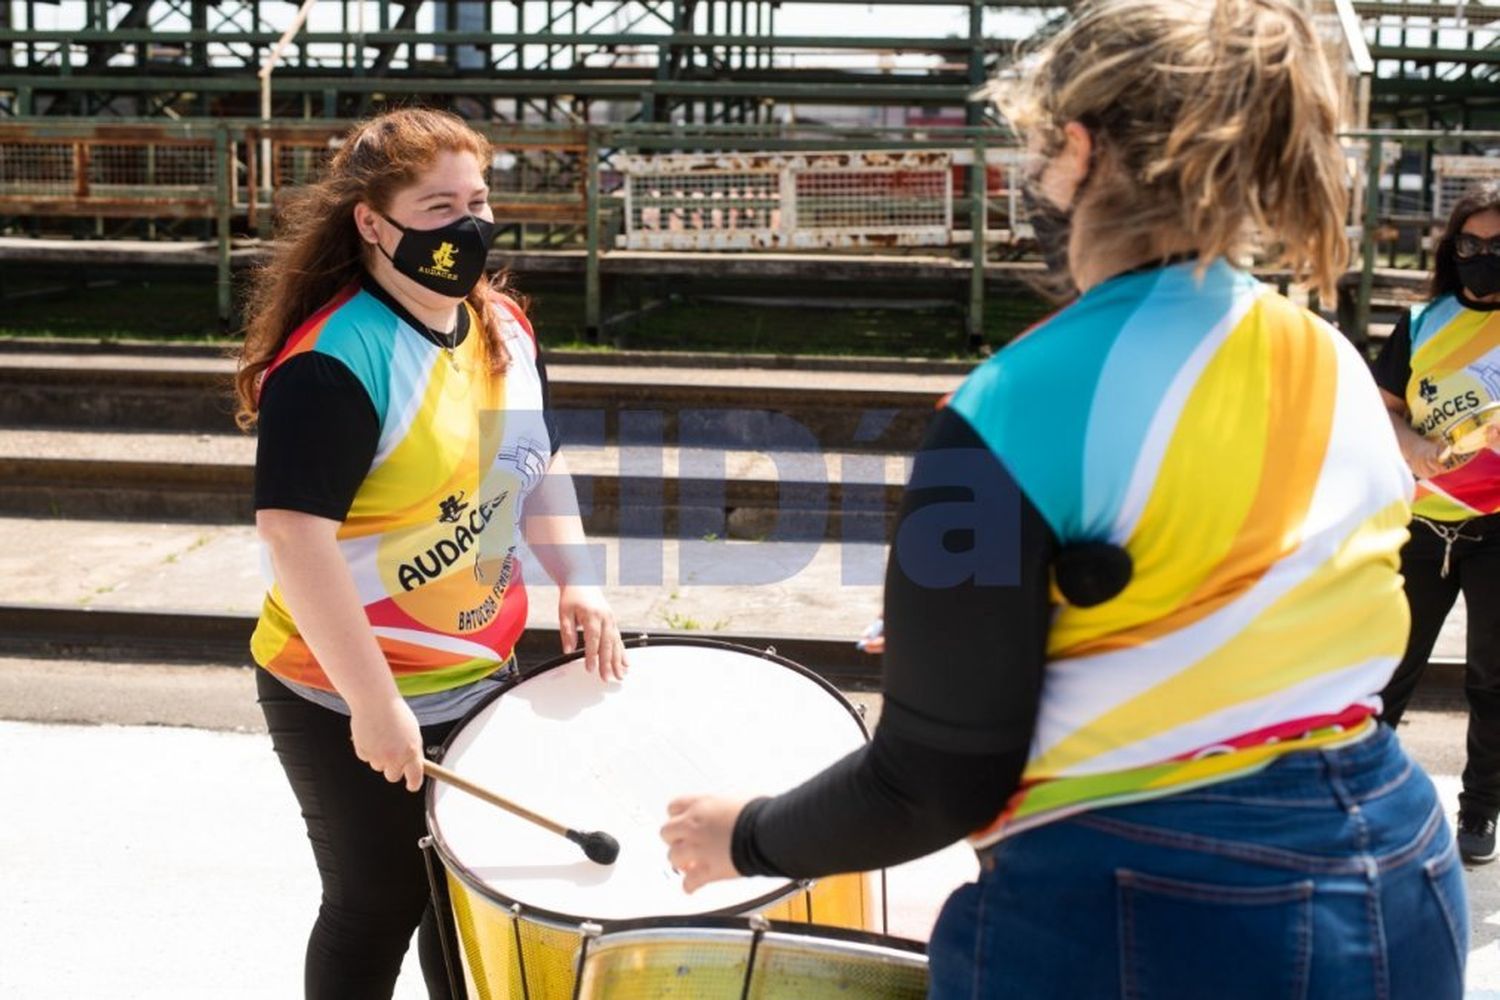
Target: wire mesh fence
109, 178
37, 168
743, 201
1454, 176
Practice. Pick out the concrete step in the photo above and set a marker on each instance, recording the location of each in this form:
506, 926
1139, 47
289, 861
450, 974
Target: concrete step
746, 407
192, 591
662, 491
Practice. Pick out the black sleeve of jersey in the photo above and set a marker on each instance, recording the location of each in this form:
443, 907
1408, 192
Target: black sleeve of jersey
967, 610
318, 435
1392, 366
549, 415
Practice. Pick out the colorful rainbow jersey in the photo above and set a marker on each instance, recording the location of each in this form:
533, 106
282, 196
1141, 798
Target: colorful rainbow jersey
1455, 370
1236, 446
430, 538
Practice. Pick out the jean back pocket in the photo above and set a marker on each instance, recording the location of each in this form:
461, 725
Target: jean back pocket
1189, 940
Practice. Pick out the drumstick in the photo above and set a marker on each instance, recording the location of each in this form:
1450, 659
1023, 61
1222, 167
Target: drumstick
598, 846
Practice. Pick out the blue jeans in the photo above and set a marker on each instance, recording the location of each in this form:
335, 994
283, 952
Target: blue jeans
1330, 873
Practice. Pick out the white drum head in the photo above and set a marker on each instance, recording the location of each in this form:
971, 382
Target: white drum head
689, 718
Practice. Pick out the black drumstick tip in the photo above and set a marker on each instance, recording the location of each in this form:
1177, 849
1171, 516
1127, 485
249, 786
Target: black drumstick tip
599, 847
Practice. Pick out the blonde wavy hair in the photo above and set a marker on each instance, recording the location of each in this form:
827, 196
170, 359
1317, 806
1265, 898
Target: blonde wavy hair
1215, 127
318, 251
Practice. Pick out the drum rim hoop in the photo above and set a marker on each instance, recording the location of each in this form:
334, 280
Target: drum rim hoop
572, 922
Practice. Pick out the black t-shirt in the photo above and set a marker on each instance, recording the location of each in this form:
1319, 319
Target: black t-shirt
962, 683
1392, 366
318, 429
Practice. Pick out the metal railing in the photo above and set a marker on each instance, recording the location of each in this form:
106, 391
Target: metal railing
705, 188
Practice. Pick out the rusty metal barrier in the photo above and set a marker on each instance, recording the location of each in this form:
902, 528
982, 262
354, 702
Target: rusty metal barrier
176, 170
213, 171
111, 172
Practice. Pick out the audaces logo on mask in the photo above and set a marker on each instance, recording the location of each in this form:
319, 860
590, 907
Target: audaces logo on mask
443, 259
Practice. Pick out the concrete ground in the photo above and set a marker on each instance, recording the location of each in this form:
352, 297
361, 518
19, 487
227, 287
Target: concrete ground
160, 861
152, 849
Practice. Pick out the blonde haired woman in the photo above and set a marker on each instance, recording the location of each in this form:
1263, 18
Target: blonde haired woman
405, 443
1143, 592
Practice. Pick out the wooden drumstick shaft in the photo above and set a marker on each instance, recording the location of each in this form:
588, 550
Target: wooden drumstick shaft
448, 777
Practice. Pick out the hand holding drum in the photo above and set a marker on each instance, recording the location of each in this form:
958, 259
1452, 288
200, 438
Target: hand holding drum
1475, 432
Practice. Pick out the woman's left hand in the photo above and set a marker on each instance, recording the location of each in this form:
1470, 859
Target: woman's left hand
698, 831
583, 608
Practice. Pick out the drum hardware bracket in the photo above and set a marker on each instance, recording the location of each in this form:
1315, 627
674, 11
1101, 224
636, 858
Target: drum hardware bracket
515, 926
440, 906
587, 932
758, 927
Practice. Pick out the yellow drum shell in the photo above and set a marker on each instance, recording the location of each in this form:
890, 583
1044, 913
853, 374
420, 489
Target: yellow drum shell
715, 962
501, 947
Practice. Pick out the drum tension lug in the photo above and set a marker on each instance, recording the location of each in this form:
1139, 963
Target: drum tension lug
588, 931
759, 923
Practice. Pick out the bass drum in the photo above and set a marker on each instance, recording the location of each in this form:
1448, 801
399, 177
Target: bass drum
692, 716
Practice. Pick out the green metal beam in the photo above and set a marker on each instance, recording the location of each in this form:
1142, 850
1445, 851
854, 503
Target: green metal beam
372, 39
873, 92
1474, 13
1429, 55
1461, 89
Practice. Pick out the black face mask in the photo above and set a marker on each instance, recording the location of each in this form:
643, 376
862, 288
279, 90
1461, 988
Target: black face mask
1480, 275
448, 260
1053, 227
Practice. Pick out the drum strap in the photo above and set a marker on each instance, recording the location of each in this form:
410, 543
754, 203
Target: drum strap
1449, 533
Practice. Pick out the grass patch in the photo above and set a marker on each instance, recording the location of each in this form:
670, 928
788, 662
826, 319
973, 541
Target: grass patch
179, 311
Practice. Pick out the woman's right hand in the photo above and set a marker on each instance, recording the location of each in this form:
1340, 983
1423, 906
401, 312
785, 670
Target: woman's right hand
1426, 461
386, 736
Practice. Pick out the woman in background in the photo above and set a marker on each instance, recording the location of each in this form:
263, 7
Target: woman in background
1439, 369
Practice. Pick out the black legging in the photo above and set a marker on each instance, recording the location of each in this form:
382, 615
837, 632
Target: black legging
364, 832
1474, 569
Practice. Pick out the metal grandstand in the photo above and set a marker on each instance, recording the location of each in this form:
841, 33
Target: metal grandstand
691, 61
699, 126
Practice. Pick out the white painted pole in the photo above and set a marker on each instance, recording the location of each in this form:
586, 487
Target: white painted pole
266, 69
